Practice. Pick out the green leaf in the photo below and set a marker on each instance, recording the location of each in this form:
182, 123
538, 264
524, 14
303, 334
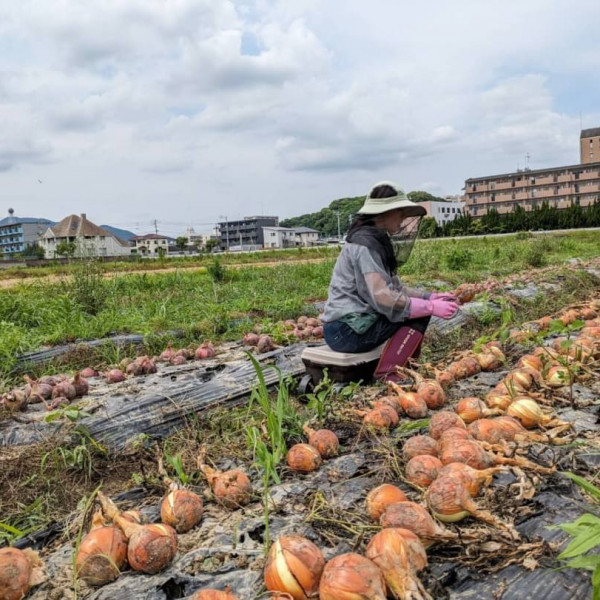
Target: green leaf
596, 582
590, 488
584, 562
16, 532
585, 541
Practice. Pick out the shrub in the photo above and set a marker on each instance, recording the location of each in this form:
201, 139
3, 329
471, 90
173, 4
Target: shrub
535, 255
458, 259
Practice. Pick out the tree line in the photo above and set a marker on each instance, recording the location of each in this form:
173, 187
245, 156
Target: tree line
541, 217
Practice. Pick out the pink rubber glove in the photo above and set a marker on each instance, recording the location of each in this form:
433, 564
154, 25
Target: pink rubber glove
438, 308
446, 296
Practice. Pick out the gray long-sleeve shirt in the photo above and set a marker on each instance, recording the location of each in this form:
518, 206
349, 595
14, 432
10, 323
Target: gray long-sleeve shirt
361, 285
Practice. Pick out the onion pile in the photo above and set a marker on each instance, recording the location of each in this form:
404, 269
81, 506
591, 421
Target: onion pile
473, 479
399, 562
294, 566
20, 570
142, 365
231, 489
351, 577
379, 498
324, 440
151, 548
102, 553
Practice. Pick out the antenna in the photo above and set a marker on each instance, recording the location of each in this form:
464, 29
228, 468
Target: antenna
527, 157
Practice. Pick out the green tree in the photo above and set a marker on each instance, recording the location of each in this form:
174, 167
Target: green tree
66, 249
210, 244
428, 228
33, 251
419, 196
181, 242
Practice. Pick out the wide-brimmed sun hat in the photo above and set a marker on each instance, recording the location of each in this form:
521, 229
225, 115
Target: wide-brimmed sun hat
377, 206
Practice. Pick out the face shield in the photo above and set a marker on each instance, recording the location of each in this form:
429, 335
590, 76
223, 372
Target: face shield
404, 239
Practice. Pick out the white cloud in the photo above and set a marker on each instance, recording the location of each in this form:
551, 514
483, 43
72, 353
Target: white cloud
281, 106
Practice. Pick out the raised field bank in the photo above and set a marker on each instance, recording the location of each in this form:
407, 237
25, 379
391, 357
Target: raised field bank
155, 443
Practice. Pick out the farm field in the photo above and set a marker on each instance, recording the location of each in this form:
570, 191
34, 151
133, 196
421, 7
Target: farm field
53, 463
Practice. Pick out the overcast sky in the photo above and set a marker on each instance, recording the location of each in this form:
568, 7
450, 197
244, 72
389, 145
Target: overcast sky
185, 110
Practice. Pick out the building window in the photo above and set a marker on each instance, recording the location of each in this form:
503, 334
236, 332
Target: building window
513, 196
576, 175
555, 177
473, 187
493, 198
492, 185
533, 192
475, 210
556, 190
512, 183
576, 186
532, 180
576, 200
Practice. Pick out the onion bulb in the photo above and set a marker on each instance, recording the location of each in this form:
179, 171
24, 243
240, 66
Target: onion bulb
498, 399
429, 390
351, 577
444, 420
167, 354
214, 595
379, 498
151, 548
231, 489
115, 376
412, 404
64, 389
324, 440
473, 479
181, 509
392, 401
206, 350
444, 378
250, 339
470, 409
417, 445
102, 553
303, 458
382, 417
528, 412
451, 436
450, 501
558, 377
20, 570
422, 470
471, 364
89, 372
390, 551
458, 369
531, 361
412, 516
80, 384
294, 565
487, 360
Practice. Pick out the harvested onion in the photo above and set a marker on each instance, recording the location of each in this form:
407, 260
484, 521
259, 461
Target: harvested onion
351, 577
20, 570
382, 417
450, 501
412, 516
294, 565
498, 399
303, 458
151, 548
392, 401
558, 377
473, 479
528, 412
487, 360
231, 489
412, 404
391, 552
429, 390
379, 498
115, 376
442, 421
417, 445
324, 440
470, 409
422, 470
531, 361
102, 553
181, 509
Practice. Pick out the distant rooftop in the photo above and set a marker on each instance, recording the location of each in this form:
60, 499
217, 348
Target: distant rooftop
304, 230
12, 220
588, 133
150, 236
530, 172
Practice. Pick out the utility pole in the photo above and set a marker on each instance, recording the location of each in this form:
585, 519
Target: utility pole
338, 220
156, 226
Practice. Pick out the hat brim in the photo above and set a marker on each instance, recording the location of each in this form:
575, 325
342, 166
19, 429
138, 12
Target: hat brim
410, 209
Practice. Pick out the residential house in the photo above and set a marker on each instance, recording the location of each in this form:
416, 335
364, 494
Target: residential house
305, 236
279, 237
152, 243
88, 239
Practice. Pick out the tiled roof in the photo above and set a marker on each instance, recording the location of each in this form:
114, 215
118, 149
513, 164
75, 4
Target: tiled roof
79, 226
304, 230
150, 236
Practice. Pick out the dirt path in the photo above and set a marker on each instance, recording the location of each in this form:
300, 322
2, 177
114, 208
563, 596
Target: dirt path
8, 283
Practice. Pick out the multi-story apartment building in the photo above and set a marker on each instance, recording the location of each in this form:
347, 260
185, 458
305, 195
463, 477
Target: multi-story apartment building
557, 186
16, 233
245, 233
